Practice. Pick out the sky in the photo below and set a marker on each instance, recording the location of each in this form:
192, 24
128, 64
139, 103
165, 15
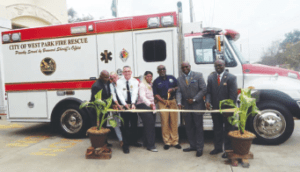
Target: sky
259, 22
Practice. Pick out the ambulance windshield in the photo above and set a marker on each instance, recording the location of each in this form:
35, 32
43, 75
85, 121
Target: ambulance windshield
237, 52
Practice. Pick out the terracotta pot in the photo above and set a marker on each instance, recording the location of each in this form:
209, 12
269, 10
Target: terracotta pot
98, 139
241, 145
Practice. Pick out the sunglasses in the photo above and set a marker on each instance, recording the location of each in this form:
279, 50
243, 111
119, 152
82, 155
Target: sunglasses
161, 69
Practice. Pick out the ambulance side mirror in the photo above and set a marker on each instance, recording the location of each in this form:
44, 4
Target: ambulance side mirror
220, 48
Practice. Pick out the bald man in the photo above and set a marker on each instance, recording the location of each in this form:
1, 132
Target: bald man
190, 93
221, 85
163, 86
102, 83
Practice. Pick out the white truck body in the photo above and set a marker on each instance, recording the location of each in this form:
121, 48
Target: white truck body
48, 69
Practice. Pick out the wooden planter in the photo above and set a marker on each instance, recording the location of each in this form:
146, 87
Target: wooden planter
98, 138
241, 144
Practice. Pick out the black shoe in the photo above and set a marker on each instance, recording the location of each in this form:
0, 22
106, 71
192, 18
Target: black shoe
199, 153
177, 146
189, 149
215, 151
125, 149
166, 147
224, 155
108, 144
137, 144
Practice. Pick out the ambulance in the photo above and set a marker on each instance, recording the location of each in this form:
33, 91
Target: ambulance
49, 71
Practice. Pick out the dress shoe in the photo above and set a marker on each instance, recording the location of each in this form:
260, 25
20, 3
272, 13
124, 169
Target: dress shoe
152, 150
224, 155
125, 149
215, 151
166, 147
189, 149
199, 153
177, 146
137, 144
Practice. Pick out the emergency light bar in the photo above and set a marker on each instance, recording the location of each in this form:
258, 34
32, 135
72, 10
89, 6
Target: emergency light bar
16, 37
78, 30
153, 22
167, 21
6, 38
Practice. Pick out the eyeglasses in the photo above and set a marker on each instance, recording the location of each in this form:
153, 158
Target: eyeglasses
161, 69
185, 67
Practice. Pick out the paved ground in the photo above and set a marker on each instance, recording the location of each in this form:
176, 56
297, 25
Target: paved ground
27, 147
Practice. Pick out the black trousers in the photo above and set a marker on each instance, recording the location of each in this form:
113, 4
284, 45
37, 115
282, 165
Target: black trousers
129, 128
220, 132
194, 130
148, 119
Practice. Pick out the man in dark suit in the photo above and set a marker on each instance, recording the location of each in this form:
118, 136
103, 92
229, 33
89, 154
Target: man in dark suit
102, 83
190, 93
220, 85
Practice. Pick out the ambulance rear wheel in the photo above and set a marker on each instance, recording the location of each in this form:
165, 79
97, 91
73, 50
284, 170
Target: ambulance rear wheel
72, 121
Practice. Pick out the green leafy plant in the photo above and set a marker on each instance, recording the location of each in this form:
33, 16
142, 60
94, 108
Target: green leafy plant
246, 108
101, 107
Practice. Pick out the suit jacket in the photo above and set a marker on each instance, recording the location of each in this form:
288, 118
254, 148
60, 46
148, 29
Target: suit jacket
226, 90
195, 89
99, 85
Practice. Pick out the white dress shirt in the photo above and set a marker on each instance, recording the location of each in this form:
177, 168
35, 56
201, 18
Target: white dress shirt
221, 75
122, 90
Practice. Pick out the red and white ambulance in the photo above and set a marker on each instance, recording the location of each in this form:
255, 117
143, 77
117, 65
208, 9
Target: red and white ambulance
49, 70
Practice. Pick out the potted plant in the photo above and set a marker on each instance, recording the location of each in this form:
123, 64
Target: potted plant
98, 134
241, 139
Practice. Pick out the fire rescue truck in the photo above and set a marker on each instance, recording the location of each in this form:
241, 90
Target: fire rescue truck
49, 70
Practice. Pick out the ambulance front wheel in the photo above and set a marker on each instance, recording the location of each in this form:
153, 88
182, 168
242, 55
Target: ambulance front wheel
73, 121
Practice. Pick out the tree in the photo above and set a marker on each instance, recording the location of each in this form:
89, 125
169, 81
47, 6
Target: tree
291, 37
72, 16
270, 57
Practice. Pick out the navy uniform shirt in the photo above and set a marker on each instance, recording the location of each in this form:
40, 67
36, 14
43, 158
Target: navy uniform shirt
161, 86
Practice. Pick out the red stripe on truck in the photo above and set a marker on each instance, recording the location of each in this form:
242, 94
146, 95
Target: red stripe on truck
100, 26
63, 85
267, 70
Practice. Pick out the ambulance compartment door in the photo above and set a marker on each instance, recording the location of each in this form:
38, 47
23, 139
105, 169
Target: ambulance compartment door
27, 105
154, 48
124, 52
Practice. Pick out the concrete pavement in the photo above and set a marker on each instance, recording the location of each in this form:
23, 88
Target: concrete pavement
34, 147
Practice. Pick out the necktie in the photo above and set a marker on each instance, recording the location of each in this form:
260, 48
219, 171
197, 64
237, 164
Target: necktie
219, 80
128, 94
187, 80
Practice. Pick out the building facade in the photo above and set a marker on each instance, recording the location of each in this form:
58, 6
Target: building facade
34, 13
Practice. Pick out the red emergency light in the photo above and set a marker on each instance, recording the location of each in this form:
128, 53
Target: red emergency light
231, 34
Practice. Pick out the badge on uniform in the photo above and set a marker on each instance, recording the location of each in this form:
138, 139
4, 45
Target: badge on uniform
124, 89
225, 83
131, 86
171, 80
193, 81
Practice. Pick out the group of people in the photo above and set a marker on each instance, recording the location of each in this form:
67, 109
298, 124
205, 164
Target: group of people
189, 91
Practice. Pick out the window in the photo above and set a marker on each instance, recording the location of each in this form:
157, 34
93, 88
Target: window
154, 51
205, 52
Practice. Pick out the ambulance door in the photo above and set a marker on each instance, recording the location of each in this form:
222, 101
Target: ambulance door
106, 53
124, 51
154, 48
